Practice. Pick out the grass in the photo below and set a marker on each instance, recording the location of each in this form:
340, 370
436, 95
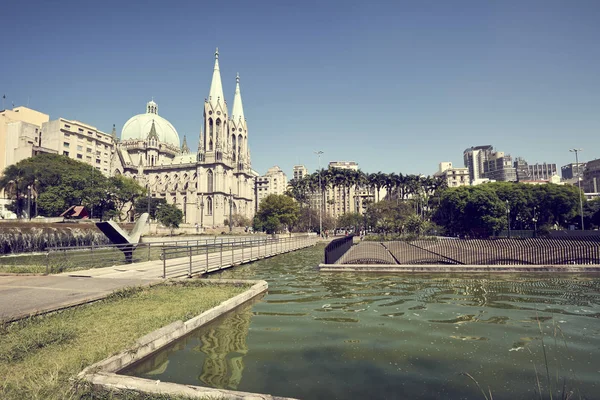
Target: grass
39, 355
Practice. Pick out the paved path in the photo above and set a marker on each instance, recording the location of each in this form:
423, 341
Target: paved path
22, 296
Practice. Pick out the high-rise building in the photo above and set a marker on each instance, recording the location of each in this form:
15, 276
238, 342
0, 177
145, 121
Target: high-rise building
273, 182
300, 172
572, 170
485, 163
533, 172
340, 199
591, 177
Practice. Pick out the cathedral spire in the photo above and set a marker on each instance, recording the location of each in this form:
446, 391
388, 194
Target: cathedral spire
152, 134
215, 95
114, 134
184, 147
237, 112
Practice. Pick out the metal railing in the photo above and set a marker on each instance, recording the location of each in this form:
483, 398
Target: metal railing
192, 259
59, 259
336, 248
530, 251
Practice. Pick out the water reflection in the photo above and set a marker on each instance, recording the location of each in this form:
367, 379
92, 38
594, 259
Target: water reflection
219, 350
348, 336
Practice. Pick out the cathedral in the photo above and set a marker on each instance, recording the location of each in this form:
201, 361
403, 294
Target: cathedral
208, 185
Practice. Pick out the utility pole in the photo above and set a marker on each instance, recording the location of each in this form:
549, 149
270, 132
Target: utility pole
576, 151
318, 153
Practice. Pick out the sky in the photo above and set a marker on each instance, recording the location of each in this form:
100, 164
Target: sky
397, 86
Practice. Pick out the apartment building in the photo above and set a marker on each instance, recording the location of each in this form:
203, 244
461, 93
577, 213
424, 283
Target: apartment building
273, 182
454, 177
81, 142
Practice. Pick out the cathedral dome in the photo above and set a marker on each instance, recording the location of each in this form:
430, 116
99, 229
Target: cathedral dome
139, 126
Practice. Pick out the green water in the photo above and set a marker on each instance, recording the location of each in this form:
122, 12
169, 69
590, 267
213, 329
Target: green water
370, 336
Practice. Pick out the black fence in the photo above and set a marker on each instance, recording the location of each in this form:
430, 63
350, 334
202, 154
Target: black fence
337, 248
528, 251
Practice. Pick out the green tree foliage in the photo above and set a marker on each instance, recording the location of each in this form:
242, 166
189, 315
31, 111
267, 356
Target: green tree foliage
60, 182
169, 215
275, 211
480, 211
388, 216
350, 220
141, 205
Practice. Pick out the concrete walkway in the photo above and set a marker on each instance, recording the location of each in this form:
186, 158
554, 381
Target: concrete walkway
22, 296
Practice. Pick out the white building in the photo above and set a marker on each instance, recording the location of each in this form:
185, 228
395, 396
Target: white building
454, 177
201, 184
81, 142
273, 182
300, 172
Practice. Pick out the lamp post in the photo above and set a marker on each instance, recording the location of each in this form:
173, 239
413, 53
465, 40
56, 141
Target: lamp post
576, 151
230, 211
29, 202
508, 217
535, 218
35, 192
318, 153
201, 210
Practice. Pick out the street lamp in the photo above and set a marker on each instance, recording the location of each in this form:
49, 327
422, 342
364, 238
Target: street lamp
508, 217
29, 202
202, 210
230, 211
318, 153
535, 219
576, 151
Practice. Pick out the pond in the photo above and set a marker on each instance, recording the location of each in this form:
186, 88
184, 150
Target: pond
373, 336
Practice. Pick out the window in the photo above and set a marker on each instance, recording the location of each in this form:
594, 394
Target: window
67, 134
90, 132
66, 144
89, 158
98, 154
80, 129
66, 153
209, 206
89, 150
79, 148
209, 181
98, 161
79, 156
67, 126
89, 140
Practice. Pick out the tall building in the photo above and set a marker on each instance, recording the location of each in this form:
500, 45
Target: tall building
20, 137
572, 170
485, 163
207, 184
340, 199
81, 142
273, 182
591, 177
454, 177
300, 172
474, 159
534, 172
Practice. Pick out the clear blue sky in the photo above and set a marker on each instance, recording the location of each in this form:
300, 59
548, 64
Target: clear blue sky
395, 86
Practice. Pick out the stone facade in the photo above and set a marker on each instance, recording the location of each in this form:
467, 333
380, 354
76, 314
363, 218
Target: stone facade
207, 185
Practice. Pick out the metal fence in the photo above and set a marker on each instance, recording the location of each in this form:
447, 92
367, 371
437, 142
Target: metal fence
336, 248
58, 259
529, 251
193, 259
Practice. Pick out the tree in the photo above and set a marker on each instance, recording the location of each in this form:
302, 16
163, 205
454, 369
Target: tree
276, 210
124, 192
387, 216
170, 216
141, 205
351, 219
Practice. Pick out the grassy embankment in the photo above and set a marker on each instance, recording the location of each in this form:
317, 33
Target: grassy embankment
38, 356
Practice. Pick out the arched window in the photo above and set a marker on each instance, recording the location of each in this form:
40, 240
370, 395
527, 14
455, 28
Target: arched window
218, 126
209, 181
209, 206
233, 147
210, 127
239, 143
210, 145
